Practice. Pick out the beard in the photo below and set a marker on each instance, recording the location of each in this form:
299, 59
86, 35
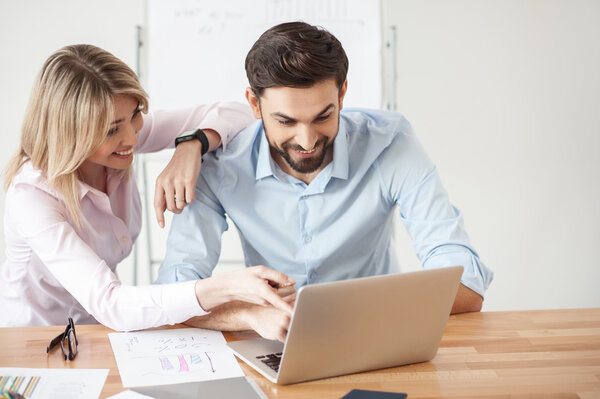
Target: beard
303, 165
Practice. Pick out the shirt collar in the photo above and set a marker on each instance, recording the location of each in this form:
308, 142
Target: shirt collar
33, 176
266, 166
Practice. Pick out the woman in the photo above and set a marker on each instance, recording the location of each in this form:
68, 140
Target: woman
73, 209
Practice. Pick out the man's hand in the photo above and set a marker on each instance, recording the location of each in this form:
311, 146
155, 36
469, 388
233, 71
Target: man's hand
269, 322
257, 285
175, 186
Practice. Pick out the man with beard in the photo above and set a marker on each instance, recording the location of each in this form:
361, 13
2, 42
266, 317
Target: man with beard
312, 190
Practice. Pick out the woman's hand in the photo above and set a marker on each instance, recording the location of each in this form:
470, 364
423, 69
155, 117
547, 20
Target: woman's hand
258, 285
175, 185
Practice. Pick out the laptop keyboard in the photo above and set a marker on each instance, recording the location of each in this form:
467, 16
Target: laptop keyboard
272, 360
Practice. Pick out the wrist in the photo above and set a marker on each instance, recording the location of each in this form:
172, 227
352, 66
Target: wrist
194, 145
197, 135
210, 294
214, 139
247, 315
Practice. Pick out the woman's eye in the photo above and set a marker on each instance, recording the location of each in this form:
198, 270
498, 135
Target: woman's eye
113, 131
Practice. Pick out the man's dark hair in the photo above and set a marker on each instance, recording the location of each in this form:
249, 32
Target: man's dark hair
295, 54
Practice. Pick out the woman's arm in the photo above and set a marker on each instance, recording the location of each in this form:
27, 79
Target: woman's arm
175, 185
162, 127
38, 218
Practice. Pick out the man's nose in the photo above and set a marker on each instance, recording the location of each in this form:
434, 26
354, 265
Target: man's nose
306, 137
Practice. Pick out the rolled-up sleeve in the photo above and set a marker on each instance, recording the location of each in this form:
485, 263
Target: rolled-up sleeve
435, 226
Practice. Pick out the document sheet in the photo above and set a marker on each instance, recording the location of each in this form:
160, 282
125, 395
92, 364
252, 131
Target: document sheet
53, 383
172, 356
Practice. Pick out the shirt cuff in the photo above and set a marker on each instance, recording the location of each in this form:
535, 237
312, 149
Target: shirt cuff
180, 301
476, 276
220, 126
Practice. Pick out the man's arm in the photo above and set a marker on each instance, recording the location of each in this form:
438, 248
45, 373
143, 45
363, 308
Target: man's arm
194, 242
268, 321
466, 300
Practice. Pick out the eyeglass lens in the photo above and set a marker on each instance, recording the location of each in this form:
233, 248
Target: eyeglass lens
71, 350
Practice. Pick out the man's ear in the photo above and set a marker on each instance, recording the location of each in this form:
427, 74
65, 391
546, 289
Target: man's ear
343, 93
254, 103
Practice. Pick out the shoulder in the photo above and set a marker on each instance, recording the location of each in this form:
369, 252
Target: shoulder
389, 140
242, 143
237, 161
30, 204
29, 185
380, 133
376, 122
240, 149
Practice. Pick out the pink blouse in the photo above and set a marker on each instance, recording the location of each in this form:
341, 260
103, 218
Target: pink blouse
55, 269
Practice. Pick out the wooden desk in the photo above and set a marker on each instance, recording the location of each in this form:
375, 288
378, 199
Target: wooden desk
551, 353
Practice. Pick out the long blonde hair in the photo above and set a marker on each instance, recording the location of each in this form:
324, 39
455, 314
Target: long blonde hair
69, 114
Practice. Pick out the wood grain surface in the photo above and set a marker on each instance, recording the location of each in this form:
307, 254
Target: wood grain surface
522, 354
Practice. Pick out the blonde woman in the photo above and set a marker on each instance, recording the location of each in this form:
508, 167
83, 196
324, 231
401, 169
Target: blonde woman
73, 209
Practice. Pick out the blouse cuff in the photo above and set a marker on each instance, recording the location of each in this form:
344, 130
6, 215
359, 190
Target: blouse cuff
227, 119
180, 301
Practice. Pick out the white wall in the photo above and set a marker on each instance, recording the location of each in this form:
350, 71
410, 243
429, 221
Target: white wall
505, 96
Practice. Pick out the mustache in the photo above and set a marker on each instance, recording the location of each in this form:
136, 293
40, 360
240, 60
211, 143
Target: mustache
320, 142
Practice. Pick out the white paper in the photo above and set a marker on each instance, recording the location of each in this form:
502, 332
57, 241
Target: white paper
129, 395
54, 383
161, 357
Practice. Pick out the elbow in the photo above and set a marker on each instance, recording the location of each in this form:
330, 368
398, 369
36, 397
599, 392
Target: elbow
474, 306
466, 301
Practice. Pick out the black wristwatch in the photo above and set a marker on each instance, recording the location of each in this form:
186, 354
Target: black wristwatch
191, 135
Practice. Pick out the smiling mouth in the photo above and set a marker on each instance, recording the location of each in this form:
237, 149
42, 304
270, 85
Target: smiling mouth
307, 152
124, 153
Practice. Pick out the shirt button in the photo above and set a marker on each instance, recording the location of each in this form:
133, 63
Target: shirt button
307, 239
124, 240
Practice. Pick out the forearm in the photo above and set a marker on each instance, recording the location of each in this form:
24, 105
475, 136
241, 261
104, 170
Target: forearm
466, 300
161, 127
231, 316
268, 321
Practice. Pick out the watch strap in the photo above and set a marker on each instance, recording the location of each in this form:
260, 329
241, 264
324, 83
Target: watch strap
196, 134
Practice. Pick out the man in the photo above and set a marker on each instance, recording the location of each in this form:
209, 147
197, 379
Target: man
312, 191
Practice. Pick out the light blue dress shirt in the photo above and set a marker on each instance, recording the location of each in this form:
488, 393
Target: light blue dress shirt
337, 227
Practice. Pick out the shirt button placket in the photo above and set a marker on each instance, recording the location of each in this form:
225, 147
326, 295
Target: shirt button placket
306, 238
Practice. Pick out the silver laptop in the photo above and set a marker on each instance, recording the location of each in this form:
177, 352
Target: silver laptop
356, 325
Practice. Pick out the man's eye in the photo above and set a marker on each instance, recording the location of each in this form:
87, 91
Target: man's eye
323, 118
285, 122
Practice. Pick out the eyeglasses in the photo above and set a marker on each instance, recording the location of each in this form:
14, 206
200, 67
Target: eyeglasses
69, 335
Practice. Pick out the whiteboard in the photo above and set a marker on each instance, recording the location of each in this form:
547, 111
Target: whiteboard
196, 48
195, 54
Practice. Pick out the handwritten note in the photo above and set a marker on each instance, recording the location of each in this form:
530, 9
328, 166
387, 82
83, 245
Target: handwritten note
161, 357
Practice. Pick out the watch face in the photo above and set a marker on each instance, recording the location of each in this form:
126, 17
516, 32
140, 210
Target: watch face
187, 133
